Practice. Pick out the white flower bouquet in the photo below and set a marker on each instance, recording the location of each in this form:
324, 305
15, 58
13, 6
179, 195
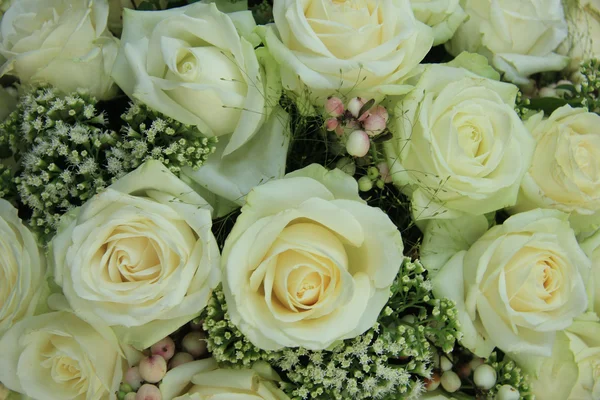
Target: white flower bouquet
299, 199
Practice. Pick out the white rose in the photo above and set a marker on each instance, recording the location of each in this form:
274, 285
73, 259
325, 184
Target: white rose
140, 256
583, 17
444, 16
573, 370
352, 46
459, 147
519, 37
307, 262
518, 284
199, 66
64, 43
203, 379
8, 102
22, 267
191, 64
591, 246
565, 171
58, 356
551, 377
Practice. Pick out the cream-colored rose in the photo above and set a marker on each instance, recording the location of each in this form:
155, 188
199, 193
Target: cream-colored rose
204, 380
139, 256
191, 64
8, 102
565, 171
353, 46
458, 147
200, 66
519, 37
591, 246
518, 284
22, 268
58, 356
573, 370
308, 262
443, 16
64, 43
583, 42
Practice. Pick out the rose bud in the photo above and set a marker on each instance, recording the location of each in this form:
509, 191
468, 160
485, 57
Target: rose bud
331, 124
179, 359
354, 106
376, 120
334, 107
164, 348
358, 144
434, 382
195, 344
153, 368
384, 171
133, 378
148, 392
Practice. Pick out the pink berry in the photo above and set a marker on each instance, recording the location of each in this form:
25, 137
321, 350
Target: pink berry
180, 358
133, 378
334, 107
148, 392
354, 106
358, 144
331, 124
384, 171
195, 344
376, 120
164, 348
153, 368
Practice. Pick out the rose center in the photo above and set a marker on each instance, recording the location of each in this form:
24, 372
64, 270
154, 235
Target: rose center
469, 139
132, 259
548, 278
586, 161
308, 291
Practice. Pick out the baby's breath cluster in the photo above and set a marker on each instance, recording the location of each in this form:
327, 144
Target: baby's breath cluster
225, 341
58, 141
387, 362
589, 88
151, 135
509, 373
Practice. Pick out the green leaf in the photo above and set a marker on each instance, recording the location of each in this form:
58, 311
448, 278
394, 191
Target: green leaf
549, 104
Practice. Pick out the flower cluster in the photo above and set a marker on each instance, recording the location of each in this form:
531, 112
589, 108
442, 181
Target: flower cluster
67, 153
508, 373
356, 123
59, 141
150, 135
392, 357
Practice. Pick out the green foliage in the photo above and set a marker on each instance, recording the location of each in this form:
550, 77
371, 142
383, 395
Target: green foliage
584, 93
387, 361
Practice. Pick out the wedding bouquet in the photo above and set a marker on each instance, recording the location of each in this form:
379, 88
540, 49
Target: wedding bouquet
299, 199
